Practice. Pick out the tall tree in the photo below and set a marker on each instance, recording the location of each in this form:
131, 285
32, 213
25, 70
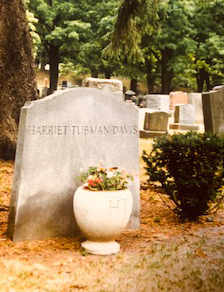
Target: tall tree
209, 43
59, 25
173, 37
17, 75
102, 19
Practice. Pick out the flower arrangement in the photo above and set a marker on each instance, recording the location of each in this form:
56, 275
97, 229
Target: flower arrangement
109, 179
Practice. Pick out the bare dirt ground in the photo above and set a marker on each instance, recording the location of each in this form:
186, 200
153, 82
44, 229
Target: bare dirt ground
164, 255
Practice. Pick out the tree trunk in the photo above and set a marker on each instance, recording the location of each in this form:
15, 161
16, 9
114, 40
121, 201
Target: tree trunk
107, 73
200, 82
167, 73
43, 61
202, 77
94, 73
134, 84
54, 59
17, 75
208, 83
149, 76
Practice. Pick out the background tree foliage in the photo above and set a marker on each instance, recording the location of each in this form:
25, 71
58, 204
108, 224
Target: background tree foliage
180, 40
170, 43
60, 29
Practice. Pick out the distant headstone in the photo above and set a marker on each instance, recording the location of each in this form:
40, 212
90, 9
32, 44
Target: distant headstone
44, 91
158, 102
64, 83
58, 136
142, 101
129, 94
177, 98
196, 100
213, 110
184, 114
184, 118
46, 82
156, 121
110, 85
156, 124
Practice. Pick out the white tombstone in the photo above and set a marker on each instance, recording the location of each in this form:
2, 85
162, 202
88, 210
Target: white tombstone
158, 102
59, 135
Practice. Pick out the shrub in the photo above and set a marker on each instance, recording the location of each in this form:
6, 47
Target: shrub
190, 169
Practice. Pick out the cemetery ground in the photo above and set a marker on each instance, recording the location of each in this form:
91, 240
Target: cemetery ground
164, 255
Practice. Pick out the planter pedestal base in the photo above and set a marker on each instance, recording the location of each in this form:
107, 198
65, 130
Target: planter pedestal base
101, 248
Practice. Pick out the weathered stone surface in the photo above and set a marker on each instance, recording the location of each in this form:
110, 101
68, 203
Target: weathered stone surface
213, 110
196, 100
184, 118
58, 135
142, 112
156, 121
184, 114
177, 97
184, 127
158, 102
144, 134
110, 85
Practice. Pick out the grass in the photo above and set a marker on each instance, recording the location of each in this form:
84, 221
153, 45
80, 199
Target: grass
188, 266
164, 255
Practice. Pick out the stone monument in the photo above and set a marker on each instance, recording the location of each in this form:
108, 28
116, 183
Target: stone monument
111, 85
213, 109
184, 118
155, 124
177, 97
196, 100
158, 102
59, 135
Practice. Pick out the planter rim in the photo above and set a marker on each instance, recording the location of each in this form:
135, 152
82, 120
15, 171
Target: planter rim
103, 191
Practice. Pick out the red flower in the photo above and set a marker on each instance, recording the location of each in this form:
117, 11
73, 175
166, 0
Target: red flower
98, 180
91, 183
95, 181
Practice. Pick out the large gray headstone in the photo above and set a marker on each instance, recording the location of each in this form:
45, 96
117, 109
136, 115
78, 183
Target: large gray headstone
184, 114
58, 136
213, 110
158, 102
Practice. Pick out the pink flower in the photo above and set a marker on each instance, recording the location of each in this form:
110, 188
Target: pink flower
85, 185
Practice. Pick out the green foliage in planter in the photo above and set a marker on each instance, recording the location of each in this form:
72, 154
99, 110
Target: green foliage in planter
190, 168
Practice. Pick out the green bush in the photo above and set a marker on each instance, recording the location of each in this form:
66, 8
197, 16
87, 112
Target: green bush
190, 168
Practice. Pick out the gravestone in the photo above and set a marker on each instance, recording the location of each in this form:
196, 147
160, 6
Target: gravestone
129, 94
184, 118
177, 97
213, 110
45, 88
158, 102
111, 85
142, 101
155, 124
184, 114
59, 135
196, 100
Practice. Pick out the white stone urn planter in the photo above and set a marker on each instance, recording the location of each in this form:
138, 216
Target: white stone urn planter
101, 217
